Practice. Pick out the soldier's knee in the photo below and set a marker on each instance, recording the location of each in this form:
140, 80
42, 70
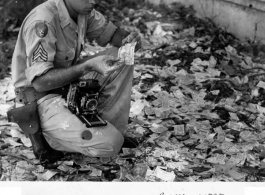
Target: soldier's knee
110, 146
115, 143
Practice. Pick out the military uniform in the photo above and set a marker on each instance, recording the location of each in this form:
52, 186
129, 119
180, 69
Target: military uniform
48, 39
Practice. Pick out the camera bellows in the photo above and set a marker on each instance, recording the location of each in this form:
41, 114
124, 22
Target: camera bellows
86, 135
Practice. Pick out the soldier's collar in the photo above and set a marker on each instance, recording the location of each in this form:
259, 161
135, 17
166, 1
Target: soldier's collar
64, 15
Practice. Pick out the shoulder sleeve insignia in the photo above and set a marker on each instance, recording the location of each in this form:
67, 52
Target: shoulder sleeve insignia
40, 55
41, 29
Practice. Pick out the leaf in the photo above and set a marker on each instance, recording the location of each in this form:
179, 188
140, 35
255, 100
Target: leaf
249, 170
173, 62
140, 170
236, 174
28, 154
262, 172
193, 45
158, 129
95, 172
4, 146
140, 130
12, 142
200, 169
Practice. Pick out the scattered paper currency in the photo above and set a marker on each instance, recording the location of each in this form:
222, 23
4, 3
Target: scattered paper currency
64, 168
149, 111
150, 175
26, 141
140, 170
163, 175
234, 125
39, 169
219, 130
95, 172
126, 53
261, 84
68, 163
47, 175
179, 129
105, 160
217, 159
233, 116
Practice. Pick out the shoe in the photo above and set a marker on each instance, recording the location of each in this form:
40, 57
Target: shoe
130, 142
42, 150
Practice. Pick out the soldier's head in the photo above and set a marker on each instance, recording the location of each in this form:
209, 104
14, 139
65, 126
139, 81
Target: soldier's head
76, 7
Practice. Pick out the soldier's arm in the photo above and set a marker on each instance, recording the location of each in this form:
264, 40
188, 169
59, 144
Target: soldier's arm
57, 77
41, 50
106, 32
40, 45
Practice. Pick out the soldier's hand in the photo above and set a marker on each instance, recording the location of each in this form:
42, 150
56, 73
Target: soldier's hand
104, 64
133, 37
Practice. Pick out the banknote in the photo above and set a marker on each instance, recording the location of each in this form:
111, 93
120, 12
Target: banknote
126, 53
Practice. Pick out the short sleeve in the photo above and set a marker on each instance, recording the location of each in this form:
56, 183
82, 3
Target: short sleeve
99, 29
40, 42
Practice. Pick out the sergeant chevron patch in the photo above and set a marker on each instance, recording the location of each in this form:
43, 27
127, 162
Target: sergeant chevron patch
40, 55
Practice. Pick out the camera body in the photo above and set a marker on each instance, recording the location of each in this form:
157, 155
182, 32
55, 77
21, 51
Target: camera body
82, 100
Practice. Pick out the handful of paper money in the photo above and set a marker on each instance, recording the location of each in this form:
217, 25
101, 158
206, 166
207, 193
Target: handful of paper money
126, 53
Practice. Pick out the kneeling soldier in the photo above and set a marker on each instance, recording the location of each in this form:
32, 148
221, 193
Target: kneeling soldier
46, 61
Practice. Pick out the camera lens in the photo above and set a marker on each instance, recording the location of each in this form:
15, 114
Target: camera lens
91, 105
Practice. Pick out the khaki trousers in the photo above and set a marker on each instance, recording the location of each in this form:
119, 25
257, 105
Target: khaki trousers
63, 130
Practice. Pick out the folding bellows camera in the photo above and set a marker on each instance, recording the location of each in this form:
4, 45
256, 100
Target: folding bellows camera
82, 100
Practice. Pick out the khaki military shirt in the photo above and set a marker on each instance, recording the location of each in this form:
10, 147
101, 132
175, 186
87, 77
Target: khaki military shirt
49, 38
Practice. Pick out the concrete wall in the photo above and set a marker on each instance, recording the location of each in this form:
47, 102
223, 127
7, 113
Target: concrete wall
243, 18
257, 4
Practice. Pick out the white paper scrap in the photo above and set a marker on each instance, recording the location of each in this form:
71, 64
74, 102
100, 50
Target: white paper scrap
164, 175
47, 175
261, 84
126, 53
